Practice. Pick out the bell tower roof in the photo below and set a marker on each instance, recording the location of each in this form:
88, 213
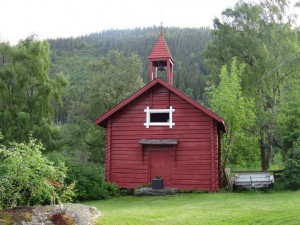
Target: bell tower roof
160, 49
160, 59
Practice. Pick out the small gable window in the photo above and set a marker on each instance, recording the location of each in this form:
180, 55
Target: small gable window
159, 117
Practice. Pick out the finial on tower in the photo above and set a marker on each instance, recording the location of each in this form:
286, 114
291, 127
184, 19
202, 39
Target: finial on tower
161, 29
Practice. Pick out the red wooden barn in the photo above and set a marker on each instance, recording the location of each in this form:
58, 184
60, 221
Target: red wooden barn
159, 131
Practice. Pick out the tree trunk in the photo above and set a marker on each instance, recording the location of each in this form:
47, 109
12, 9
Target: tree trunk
270, 150
263, 151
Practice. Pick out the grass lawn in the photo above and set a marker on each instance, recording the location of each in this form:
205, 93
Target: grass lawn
209, 208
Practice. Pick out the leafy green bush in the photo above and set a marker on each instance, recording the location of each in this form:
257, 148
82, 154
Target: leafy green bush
27, 176
89, 179
291, 173
90, 184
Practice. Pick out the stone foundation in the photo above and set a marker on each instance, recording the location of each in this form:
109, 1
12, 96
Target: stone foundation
155, 192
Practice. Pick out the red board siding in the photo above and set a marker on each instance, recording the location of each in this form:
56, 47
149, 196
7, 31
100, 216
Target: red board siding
193, 163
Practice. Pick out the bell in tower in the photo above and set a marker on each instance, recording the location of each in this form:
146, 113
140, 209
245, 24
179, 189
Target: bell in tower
160, 59
160, 65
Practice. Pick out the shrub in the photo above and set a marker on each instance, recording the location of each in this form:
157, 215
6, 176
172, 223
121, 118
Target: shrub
90, 184
291, 173
89, 179
25, 172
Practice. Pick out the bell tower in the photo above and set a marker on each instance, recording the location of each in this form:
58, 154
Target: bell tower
160, 59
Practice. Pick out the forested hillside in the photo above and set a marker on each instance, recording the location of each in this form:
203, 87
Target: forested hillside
186, 46
71, 55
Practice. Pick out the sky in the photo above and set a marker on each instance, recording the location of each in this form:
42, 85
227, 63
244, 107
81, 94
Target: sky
65, 18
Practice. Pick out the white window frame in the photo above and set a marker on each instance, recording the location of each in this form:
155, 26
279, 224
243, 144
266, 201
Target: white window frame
148, 111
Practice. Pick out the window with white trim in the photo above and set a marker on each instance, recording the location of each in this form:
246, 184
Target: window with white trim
159, 117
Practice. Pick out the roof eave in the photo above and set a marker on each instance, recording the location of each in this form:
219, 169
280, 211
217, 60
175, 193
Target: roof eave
100, 120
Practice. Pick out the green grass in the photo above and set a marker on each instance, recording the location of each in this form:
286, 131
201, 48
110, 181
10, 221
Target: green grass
210, 208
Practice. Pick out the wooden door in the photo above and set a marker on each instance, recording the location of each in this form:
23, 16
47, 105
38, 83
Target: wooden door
160, 165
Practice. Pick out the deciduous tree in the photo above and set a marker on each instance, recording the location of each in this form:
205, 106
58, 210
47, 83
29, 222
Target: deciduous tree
111, 79
27, 93
239, 145
261, 36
